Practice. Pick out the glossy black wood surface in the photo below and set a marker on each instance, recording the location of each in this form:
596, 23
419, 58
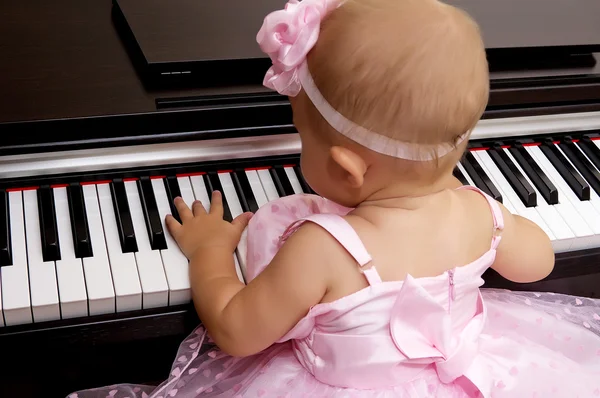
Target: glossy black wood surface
67, 80
510, 24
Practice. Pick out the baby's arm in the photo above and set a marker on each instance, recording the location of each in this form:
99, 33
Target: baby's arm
245, 320
525, 253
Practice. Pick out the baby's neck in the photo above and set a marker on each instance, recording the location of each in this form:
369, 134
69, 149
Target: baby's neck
400, 193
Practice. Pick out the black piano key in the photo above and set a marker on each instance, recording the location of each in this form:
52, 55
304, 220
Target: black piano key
480, 177
564, 168
123, 216
459, 175
48, 227
305, 187
173, 191
535, 173
279, 185
151, 214
212, 182
5, 242
284, 180
477, 180
591, 150
79, 222
581, 163
517, 181
244, 191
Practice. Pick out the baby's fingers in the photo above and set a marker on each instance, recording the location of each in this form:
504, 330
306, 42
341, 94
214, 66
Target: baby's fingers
241, 221
182, 208
173, 226
216, 204
198, 208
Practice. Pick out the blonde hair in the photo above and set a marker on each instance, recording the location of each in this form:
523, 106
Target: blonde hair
413, 70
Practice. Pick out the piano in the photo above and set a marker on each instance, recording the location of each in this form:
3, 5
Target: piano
93, 289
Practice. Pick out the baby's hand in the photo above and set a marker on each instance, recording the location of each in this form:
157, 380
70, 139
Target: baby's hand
200, 230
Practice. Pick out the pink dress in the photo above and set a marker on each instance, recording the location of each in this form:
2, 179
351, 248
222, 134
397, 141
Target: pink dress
439, 336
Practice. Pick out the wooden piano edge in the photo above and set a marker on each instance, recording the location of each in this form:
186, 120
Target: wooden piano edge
109, 328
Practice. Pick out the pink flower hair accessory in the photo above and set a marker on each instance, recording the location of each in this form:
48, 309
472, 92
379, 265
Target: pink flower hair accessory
287, 36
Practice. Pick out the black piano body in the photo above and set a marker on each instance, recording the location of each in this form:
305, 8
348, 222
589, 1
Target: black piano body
75, 111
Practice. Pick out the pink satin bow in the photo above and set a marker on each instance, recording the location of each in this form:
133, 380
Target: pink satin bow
421, 329
287, 36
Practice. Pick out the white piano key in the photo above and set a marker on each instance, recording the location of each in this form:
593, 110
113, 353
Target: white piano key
176, 265
464, 173
291, 175
230, 195
155, 290
126, 280
187, 192
507, 190
585, 235
585, 207
200, 192
42, 274
565, 238
268, 184
257, 188
69, 269
16, 301
259, 196
236, 209
505, 199
100, 289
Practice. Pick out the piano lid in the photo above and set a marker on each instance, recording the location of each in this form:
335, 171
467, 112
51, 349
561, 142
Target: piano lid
190, 42
184, 43
70, 81
530, 24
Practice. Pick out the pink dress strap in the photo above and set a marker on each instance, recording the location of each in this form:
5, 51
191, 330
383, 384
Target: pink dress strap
496, 213
343, 232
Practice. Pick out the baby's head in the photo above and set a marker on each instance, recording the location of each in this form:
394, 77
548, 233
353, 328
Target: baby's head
389, 95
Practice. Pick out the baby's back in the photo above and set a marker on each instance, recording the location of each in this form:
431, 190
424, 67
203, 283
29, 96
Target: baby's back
422, 237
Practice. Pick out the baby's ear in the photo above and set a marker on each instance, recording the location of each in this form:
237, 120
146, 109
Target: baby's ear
351, 163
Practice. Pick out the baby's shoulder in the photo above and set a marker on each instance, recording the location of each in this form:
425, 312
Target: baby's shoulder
278, 220
475, 203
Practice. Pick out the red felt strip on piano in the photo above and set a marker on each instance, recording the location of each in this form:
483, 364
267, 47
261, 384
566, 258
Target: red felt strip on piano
191, 174
22, 189
483, 148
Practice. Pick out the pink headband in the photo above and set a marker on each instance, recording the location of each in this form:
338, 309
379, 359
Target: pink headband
287, 36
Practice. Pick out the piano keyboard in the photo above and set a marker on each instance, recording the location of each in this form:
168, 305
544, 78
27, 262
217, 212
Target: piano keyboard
100, 246
92, 248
